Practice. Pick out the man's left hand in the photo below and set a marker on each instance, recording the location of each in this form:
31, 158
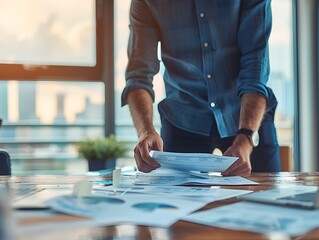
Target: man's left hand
242, 149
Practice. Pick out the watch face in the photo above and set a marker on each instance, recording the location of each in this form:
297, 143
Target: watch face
255, 138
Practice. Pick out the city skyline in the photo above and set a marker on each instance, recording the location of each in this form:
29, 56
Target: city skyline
57, 104
88, 107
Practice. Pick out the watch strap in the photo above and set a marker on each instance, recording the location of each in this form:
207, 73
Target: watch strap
251, 135
245, 131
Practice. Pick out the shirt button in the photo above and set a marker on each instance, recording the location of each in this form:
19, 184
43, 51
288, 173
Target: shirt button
202, 14
206, 44
212, 104
209, 76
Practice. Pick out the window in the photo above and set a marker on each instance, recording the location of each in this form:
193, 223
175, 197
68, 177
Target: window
53, 92
42, 122
281, 79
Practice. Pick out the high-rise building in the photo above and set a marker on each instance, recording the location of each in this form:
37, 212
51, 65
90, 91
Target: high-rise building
60, 117
4, 100
27, 101
283, 89
93, 112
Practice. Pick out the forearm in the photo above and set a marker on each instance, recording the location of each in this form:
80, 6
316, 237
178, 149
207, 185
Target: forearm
141, 108
252, 110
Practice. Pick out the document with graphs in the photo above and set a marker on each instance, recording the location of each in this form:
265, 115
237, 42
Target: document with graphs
203, 162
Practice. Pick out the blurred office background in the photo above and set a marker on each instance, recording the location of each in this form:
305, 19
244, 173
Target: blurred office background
62, 67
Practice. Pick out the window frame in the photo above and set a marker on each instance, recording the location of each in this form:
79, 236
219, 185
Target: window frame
296, 152
306, 70
317, 75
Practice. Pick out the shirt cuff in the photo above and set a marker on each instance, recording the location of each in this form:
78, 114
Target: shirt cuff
262, 89
130, 85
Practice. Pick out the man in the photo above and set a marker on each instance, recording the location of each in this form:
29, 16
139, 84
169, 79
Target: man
215, 54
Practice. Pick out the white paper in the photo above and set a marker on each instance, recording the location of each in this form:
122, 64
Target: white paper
261, 218
193, 161
116, 180
149, 210
195, 193
82, 188
222, 181
179, 178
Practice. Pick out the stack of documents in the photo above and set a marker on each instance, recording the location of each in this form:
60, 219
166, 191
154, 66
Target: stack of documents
190, 168
169, 177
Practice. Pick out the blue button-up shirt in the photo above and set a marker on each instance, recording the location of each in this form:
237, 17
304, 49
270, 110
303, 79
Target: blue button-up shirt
213, 51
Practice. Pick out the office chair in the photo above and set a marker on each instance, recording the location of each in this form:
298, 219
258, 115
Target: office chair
286, 159
5, 163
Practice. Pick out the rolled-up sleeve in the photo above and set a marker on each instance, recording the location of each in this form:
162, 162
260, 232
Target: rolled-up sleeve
253, 35
143, 62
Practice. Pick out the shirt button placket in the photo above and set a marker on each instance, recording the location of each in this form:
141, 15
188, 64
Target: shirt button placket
205, 44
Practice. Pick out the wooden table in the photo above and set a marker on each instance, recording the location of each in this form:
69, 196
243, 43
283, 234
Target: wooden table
179, 231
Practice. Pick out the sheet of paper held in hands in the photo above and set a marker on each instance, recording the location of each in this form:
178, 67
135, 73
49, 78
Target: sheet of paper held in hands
204, 162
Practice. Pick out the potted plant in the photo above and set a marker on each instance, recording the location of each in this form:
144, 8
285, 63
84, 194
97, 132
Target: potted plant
101, 153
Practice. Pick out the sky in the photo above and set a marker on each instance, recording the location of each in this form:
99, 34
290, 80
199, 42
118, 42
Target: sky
47, 31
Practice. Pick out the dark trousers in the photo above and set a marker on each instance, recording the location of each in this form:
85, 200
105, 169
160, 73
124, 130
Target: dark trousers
264, 158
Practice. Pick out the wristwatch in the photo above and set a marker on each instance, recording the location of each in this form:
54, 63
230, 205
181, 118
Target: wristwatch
252, 135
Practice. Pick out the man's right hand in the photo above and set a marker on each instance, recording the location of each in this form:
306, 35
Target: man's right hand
147, 142
141, 108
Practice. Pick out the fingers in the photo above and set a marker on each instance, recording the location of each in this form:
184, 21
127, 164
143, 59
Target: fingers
232, 169
237, 172
242, 166
145, 163
238, 168
142, 165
